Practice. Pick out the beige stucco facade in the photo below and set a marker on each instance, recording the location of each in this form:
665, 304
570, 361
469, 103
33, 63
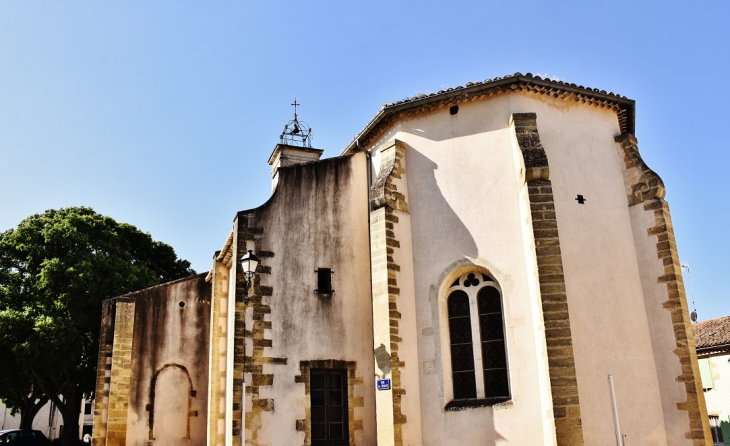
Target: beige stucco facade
713, 351
530, 189
717, 392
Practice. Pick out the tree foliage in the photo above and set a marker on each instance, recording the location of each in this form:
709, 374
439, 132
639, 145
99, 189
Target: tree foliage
56, 268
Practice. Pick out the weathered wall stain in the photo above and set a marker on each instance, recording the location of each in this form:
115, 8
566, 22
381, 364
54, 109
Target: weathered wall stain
171, 408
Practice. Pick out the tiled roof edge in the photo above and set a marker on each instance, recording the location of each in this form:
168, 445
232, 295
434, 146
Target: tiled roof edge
712, 333
132, 293
487, 87
713, 347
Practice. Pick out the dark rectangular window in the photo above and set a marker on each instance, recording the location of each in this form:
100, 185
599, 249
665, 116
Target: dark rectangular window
494, 355
87, 408
324, 281
716, 429
462, 351
328, 392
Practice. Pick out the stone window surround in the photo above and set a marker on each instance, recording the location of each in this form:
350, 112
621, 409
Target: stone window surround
354, 425
443, 321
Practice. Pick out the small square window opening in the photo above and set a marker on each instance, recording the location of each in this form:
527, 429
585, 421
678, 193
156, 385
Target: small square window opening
324, 281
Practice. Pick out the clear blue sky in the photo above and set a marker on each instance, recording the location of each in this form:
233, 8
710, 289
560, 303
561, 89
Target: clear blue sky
163, 114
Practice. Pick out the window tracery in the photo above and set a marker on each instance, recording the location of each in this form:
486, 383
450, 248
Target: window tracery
479, 368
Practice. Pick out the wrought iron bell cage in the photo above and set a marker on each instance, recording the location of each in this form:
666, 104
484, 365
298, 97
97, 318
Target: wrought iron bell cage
296, 132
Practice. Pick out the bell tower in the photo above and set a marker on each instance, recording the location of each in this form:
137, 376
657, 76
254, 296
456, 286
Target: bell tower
294, 147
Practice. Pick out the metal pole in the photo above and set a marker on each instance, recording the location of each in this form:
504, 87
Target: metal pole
615, 411
247, 284
243, 411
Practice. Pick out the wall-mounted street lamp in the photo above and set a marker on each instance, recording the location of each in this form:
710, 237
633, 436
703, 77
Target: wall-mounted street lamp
249, 263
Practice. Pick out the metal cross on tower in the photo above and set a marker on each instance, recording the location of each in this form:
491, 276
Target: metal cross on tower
295, 104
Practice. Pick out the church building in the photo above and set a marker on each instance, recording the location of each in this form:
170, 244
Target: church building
490, 264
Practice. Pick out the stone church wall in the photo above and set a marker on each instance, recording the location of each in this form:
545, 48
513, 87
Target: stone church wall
533, 196
607, 313
466, 214
316, 218
157, 368
465, 173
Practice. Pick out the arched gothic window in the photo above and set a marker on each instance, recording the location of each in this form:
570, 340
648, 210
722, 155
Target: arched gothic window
476, 338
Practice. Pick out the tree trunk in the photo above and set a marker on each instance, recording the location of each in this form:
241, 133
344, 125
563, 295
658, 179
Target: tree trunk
67, 391
31, 405
26, 418
70, 412
70, 415
29, 411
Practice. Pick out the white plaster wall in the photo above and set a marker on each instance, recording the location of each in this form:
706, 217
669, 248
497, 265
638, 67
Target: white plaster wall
467, 204
321, 221
659, 321
464, 200
605, 299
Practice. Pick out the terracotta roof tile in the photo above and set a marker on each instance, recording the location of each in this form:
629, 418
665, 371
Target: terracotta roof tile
712, 332
624, 107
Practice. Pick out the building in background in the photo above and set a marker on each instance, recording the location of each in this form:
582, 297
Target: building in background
713, 351
49, 420
489, 264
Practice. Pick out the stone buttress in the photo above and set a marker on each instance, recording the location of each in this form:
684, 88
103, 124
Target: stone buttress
252, 321
393, 310
219, 277
113, 374
665, 298
118, 322
561, 359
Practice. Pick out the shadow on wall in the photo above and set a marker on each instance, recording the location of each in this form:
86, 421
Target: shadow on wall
440, 238
382, 362
469, 119
437, 231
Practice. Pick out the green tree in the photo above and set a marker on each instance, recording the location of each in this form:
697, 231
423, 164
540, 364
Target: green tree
56, 268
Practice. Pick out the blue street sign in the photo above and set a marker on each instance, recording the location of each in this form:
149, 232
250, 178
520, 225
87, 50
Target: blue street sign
383, 384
